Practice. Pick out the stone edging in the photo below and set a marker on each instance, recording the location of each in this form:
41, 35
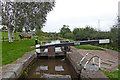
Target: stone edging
15, 69
74, 57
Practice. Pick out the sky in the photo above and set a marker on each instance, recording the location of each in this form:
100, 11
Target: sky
99, 14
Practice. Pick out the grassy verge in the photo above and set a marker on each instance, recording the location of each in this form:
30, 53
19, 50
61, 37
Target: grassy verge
112, 75
108, 47
88, 47
15, 50
115, 75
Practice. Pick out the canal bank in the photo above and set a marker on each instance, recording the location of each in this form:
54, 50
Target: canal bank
55, 67
74, 57
16, 69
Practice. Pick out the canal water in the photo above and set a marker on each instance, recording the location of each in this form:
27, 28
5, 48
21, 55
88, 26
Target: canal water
52, 68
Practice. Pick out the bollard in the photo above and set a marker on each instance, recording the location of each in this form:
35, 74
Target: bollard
36, 41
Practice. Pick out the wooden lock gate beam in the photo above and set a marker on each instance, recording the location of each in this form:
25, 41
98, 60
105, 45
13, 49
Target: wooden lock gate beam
102, 41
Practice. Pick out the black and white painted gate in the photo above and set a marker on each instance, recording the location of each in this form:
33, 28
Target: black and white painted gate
51, 47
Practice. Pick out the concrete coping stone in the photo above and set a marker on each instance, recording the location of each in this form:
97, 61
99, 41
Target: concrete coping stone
15, 69
12, 70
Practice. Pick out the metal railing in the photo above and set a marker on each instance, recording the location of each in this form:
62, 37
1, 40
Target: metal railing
85, 57
92, 58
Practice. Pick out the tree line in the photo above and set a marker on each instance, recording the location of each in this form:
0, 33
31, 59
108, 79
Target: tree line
89, 33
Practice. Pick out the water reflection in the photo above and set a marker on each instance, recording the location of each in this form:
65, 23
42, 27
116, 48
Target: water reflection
52, 68
57, 49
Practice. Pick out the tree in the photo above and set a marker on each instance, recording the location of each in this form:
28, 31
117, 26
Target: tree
38, 32
83, 33
118, 37
65, 29
69, 35
75, 30
80, 35
114, 35
89, 32
27, 15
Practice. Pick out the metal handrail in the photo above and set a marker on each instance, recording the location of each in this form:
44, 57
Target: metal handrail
91, 59
85, 57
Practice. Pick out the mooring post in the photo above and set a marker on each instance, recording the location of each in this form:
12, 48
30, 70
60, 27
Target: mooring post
36, 41
37, 45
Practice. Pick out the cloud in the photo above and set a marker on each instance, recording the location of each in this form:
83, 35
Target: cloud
79, 13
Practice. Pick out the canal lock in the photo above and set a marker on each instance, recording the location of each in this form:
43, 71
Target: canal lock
51, 68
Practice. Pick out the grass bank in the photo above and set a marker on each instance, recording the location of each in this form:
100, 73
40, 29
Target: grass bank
115, 75
108, 47
15, 50
88, 47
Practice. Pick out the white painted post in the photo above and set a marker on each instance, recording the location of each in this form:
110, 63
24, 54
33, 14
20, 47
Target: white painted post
85, 64
83, 58
93, 61
37, 50
37, 45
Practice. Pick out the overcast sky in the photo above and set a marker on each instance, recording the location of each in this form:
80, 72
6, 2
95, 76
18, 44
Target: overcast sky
79, 13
